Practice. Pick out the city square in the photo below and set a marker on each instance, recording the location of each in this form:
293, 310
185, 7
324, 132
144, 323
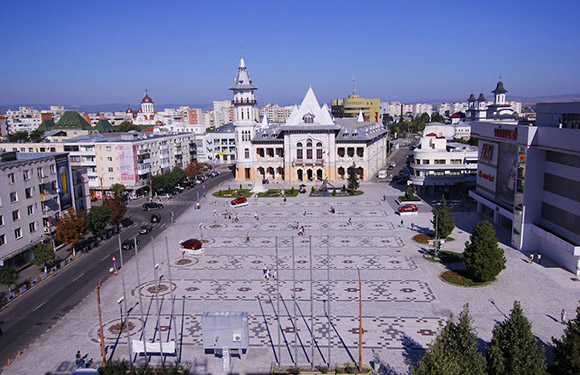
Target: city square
403, 299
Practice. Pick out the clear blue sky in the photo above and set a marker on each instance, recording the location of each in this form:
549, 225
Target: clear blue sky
93, 52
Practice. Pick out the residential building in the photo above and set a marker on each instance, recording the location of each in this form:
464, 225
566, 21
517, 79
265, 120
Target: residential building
275, 114
223, 112
528, 180
24, 119
309, 146
34, 189
442, 165
220, 145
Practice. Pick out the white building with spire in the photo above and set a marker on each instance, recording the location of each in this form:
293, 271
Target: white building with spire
311, 145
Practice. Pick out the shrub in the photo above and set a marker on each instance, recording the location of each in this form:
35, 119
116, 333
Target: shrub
484, 259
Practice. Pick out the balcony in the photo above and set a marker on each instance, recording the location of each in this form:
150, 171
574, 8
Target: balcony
244, 102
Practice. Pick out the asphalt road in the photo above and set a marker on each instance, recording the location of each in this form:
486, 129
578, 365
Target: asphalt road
32, 314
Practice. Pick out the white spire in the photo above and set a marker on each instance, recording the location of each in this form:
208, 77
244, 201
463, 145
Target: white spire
242, 62
360, 118
264, 124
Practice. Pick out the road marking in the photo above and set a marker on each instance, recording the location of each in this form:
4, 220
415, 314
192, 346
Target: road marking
106, 257
39, 306
81, 275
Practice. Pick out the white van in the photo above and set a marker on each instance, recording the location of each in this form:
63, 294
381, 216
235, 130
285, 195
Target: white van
383, 173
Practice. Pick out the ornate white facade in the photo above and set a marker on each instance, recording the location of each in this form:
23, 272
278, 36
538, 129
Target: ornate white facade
311, 145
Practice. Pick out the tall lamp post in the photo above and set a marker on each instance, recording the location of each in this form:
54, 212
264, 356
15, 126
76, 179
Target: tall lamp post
101, 335
360, 327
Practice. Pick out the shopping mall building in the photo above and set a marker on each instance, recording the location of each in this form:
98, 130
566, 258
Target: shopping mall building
528, 180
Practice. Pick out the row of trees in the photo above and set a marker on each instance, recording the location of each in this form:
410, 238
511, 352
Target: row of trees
483, 257
167, 180
24, 136
513, 349
412, 124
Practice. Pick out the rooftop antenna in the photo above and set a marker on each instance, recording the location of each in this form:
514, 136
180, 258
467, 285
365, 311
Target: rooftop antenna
353, 88
500, 77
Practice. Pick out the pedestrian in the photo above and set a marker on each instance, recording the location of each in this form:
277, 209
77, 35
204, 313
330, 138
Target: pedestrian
247, 236
563, 317
349, 222
256, 216
402, 224
215, 204
198, 206
265, 271
302, 229
214, 212
284, 199
539, 257
304, 213
384, 197
531, 258
274, 275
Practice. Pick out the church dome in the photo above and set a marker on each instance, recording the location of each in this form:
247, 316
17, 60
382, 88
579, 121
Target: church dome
481, 98
146, 99
499, 89
129, 110
139, 110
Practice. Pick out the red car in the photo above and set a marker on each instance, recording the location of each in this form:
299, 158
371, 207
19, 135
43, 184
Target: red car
409, 208
239, 200
191, 244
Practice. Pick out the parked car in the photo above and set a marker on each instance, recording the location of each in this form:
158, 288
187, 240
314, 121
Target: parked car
390, 167
155, 218
129, 243
239, 201
265, 181
164, 196
409, 208
144, 229
393, 164
152, 206
191, 244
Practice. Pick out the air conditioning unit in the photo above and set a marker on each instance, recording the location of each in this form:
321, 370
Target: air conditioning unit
237, 337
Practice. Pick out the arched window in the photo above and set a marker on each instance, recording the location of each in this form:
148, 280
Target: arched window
309, 150
299, 154
247, 153
319, 150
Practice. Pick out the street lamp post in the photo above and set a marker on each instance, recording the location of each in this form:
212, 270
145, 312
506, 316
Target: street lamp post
120, 301
101, 335
360, 327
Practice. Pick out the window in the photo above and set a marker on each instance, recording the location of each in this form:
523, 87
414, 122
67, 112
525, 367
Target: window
439, 161
1, 220
28, 193
425, 161
109, 158
18, 233
108, 148
32, 227
308, 153
11, 178
299, 154
110, 169
53, 183
2, 239
456, 161
39, 172
16, 215
26, 174
247, 153
14, 197
30, 209
52, 169
341, 152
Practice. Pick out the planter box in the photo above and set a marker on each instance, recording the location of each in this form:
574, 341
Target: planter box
400, 202
408, 213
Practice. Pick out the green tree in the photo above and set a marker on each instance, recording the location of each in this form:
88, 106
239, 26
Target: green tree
97, 219
353, 183
118, 188
19, 136
409, 193
117, 208
484, 259
8, 275
42, 254
442, 219
436, 117
125, 126
514, 349
36, 136
567, 349
454, 350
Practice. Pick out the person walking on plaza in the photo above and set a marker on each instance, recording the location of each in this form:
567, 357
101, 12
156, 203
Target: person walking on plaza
539, 257
402, 224
248, 236
304, 213
563, 317
349, 222
531, 258
302, 229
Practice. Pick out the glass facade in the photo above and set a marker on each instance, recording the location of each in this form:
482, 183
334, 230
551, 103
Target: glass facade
517, 226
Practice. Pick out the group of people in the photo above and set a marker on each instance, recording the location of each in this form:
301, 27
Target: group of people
82, 361
231, 216
539, 258
269, 274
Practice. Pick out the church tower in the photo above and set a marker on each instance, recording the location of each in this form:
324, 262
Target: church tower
147, 104
244, 120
